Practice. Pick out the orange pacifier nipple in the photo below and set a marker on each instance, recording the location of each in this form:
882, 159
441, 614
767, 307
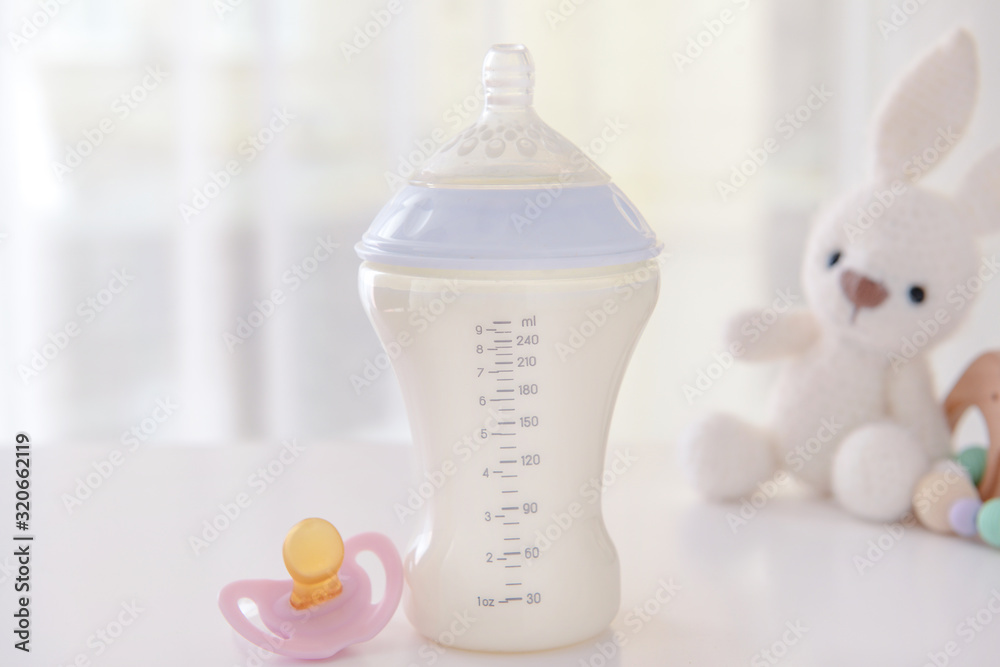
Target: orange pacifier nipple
313, 553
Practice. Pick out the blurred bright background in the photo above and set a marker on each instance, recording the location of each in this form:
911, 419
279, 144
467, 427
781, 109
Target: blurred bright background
118, 119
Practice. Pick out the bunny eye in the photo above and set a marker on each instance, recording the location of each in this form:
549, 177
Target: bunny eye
917, 294
833, 258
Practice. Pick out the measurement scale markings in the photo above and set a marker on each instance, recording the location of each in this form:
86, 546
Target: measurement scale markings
503, 347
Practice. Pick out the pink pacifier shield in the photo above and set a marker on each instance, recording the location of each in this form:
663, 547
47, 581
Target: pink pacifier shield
323, 630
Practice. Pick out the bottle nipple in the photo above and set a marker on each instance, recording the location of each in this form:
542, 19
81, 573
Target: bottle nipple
313, 553
508, 76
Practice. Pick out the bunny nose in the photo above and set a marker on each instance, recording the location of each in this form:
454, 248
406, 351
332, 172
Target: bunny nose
862, 291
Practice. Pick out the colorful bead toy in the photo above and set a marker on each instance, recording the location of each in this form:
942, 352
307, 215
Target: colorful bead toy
960, 497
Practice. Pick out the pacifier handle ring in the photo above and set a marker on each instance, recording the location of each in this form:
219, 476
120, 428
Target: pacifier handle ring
229, 605
380, 613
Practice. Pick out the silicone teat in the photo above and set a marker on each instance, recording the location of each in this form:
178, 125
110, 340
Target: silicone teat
508, 75
509, 146
313, 553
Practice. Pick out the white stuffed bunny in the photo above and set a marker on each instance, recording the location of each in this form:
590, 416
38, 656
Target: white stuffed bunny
885, 275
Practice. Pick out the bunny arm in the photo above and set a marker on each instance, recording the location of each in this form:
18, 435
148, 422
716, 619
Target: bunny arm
749, 337
913, 404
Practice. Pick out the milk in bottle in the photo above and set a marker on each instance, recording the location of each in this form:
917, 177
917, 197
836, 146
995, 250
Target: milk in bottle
509, 283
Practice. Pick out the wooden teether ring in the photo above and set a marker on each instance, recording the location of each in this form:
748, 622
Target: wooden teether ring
980, 386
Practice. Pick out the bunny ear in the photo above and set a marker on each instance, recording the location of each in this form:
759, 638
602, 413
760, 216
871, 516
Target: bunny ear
980, 190
928, 110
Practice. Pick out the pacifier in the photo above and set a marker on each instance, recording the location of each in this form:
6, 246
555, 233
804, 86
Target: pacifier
326, 606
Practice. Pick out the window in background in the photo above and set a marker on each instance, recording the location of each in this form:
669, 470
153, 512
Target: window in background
318, 133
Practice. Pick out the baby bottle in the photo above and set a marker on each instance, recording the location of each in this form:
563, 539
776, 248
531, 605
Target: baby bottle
509, 282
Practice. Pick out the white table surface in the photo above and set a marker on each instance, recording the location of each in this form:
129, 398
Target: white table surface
794, 563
